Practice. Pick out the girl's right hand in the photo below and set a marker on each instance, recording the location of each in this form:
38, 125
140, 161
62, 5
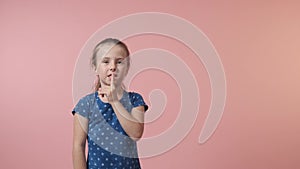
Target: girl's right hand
109, 91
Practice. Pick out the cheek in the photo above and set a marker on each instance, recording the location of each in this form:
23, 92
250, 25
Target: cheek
124, 70
100, 71
101, 67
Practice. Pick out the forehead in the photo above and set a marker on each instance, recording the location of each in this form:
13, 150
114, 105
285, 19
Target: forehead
111, 51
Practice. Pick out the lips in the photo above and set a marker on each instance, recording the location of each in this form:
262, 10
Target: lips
109, 75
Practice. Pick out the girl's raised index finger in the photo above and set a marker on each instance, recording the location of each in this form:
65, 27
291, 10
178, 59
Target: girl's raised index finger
112, 85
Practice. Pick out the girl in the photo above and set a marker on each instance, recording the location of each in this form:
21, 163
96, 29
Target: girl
110, 119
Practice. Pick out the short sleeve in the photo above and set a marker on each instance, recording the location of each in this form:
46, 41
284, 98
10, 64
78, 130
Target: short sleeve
137, 100
82, 107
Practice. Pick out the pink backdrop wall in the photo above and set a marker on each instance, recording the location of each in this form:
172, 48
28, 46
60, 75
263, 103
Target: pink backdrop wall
258, 43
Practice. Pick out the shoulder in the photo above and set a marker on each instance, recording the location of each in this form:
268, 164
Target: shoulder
84, 104
137, 100
88, 98
134, 95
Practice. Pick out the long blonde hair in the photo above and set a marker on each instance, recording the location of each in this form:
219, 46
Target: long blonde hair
100, 50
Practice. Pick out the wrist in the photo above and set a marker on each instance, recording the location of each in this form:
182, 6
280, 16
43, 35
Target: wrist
114, 102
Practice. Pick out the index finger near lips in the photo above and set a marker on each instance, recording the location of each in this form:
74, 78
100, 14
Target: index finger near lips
112, 85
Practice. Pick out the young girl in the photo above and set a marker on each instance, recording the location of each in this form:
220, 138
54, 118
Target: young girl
110, 119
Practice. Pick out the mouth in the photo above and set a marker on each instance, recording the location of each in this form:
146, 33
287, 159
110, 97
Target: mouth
110, 75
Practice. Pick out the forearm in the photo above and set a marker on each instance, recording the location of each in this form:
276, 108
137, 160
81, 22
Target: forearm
132, 126
79, 159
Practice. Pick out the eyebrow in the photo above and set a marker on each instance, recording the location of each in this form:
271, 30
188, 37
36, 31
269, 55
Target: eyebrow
117, 58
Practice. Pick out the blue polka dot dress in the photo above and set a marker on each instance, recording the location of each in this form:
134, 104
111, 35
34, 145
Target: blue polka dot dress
109, 147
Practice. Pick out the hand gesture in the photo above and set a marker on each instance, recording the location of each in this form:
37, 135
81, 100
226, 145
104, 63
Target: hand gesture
109, 92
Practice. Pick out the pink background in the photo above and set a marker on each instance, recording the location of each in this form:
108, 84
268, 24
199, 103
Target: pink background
258, 43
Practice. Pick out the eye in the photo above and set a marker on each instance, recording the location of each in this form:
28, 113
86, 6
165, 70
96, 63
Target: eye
119, 61
105, 61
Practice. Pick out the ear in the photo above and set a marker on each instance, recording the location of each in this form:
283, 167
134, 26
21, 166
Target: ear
95, 70
127, 69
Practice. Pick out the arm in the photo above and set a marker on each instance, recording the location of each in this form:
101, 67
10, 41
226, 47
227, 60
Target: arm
80, 127
132, 123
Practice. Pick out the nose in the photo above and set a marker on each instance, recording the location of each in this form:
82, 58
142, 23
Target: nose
112, 66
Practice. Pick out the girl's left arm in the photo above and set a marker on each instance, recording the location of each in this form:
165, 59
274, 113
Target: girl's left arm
133, 122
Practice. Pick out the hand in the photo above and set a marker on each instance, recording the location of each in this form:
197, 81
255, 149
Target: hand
109, 92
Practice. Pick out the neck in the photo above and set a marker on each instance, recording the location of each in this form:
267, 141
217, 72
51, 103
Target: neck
119, 90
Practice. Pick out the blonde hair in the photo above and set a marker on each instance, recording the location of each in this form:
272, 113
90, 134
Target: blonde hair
100, 49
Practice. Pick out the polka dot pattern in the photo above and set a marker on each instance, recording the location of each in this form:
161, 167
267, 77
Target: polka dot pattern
108, 144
